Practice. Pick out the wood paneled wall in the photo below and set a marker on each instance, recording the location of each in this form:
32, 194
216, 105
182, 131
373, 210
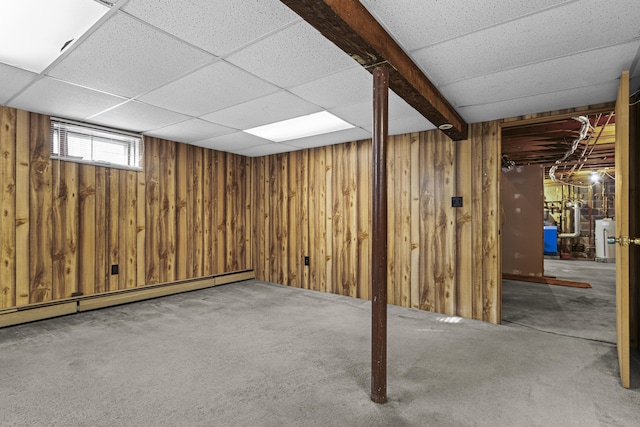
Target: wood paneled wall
317, 203
197, 211
64, 224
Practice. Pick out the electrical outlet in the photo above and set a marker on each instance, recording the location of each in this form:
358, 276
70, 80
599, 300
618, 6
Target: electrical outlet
306, 260
114, 269
456, 202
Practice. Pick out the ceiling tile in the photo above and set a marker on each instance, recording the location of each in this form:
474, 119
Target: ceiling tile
405, 124
347, 135
418, 23
191, 130
600, 93
492, 60
575, 71
12, 81
211, 88
219, 26
348, 87
35, 33
358, 115
232, 142
57, 98
408, 124
398, 107
362, 114
138, 117
266, 150
293, 56
268, 109
530, 40
126, 57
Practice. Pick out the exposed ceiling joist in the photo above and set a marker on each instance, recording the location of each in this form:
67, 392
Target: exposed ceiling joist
354, 30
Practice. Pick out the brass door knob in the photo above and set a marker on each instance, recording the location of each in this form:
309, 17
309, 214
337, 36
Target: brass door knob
623, 240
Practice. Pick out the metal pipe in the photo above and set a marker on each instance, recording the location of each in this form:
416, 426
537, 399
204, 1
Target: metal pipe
379, 236
576, 222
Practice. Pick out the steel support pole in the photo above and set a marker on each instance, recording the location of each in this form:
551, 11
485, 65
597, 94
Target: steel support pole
379, 236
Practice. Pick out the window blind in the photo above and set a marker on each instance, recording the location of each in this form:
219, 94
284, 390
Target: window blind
82, 143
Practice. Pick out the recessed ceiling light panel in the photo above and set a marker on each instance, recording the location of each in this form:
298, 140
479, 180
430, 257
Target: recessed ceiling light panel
35, 32
300, 127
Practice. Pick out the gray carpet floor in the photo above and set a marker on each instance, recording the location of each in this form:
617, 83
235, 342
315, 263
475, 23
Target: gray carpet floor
260, 354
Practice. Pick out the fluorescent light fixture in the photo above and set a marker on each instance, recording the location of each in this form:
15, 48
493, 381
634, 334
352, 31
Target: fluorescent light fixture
300, 127
33, 32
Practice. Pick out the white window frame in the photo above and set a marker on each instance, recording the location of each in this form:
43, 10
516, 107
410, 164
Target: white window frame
133, 144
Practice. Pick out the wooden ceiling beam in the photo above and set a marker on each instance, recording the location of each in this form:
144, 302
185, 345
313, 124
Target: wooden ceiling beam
537, 140
350, 26
590, 162
544, 128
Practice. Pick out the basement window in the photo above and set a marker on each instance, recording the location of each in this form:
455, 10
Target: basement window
83, 143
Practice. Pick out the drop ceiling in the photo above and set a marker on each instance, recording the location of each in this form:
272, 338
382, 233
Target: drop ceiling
201, 71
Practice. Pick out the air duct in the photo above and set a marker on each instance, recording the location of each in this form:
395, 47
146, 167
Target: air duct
584, 134
576, 221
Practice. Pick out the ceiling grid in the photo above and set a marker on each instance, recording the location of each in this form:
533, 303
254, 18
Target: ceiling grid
201, 71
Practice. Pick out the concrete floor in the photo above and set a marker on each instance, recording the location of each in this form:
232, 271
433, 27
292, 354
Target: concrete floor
584, 313
259, 354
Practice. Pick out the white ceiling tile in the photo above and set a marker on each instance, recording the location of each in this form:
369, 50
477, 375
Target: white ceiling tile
398, 107
417, 23
293, 56
54, 97
348, 87
211, 88
358, 114
604, 92
408, 124
126, 57
271, 108
532, 39
362, 114
581, 70
347, 135
266, 150
138, 117
403, 118
12, 81
405, 124
219, 26
495, 61
191, 130
35, 33
232, 142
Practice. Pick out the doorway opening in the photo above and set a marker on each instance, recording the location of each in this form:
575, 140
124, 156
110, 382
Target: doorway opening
558, 189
